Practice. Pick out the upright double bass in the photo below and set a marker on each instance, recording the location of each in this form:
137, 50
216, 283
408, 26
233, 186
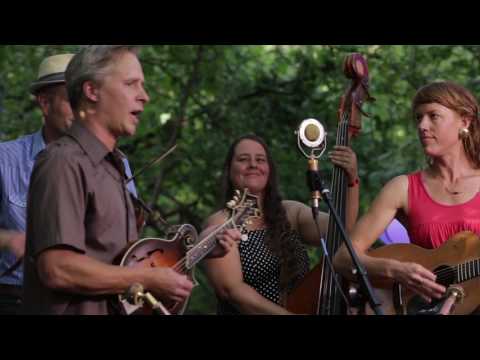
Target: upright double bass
318, 292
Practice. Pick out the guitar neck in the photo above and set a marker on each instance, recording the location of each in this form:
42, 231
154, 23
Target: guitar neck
467, 271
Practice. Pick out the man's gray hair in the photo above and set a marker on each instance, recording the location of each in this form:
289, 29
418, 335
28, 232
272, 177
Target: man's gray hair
91, 63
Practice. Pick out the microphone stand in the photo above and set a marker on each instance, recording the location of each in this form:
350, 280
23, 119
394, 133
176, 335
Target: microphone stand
316, 185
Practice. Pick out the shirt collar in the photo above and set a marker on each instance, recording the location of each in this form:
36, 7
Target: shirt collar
38, 144
93, 147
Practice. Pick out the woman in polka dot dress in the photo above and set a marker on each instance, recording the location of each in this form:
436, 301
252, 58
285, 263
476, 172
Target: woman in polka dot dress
253, 278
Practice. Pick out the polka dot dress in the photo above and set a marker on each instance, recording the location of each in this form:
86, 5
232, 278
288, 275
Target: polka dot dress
261, 268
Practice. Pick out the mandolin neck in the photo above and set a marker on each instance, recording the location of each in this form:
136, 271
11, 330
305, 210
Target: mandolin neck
205, 246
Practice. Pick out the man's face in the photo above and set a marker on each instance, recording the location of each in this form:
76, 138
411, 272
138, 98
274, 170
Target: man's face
56, 108
121, 96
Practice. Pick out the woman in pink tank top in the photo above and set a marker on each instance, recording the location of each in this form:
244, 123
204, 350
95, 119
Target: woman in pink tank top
435, 203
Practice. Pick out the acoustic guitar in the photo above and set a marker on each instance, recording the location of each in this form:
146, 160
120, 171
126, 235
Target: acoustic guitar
456, 262
182, 250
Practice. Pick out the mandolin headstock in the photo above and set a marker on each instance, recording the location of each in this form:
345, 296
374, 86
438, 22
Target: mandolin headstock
242, 207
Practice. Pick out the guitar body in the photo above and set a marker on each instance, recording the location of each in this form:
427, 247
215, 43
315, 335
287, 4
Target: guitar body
457, 250
155, 252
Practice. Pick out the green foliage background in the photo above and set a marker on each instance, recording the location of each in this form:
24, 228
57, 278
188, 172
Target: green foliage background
204, 96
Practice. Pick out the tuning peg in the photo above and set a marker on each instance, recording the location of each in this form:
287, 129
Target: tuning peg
231, 204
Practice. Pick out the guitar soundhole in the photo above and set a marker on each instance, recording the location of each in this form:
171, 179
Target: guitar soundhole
445, 275
418, 306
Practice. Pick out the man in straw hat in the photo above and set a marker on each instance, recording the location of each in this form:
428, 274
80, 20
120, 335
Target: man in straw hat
16, 162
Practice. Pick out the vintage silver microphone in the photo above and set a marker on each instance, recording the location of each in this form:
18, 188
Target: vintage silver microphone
312, 135
312, 142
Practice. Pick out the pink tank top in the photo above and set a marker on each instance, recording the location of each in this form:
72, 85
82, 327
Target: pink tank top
430, 224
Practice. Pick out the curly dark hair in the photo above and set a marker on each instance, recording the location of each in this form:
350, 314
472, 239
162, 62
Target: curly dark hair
279, 230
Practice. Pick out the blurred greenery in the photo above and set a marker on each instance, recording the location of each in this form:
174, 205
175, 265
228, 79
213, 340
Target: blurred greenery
204, 96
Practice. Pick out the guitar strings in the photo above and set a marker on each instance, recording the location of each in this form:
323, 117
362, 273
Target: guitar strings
452, 269
445, 274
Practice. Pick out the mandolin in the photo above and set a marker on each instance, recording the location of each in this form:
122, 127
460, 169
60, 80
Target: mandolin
182, 250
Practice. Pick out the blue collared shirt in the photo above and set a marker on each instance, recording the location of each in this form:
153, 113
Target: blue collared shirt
17, 159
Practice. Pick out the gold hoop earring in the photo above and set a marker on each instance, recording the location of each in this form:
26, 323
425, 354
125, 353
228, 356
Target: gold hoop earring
464, 133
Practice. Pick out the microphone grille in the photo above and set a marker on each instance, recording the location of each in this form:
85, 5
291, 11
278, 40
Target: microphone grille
312, 132
132, 293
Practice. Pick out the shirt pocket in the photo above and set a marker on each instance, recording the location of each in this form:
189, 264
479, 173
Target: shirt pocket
16, 200
17, 212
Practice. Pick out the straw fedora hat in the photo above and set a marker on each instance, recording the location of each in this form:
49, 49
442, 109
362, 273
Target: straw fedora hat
51, 71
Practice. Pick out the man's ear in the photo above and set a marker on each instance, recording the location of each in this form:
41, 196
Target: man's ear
90, 90
44, 102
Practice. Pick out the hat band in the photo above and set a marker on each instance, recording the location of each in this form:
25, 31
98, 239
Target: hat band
52, 77
47, 80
